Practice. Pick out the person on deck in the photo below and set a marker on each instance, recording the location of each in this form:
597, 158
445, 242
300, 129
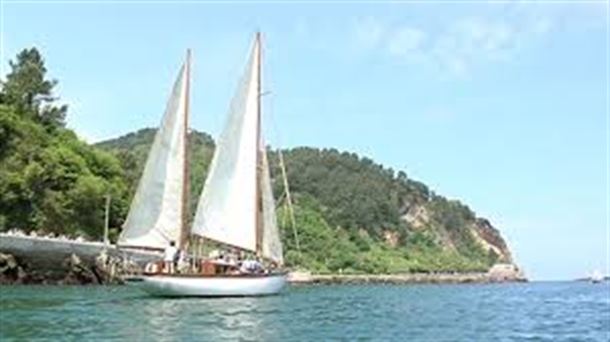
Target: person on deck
169, 257
250, 266
183, 264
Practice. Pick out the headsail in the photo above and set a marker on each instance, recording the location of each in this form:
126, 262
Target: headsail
271, 244
156, 213
227, 207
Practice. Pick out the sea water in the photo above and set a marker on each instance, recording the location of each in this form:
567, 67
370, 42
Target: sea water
538, 311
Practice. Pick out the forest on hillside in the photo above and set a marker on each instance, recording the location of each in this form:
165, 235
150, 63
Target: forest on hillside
352, 215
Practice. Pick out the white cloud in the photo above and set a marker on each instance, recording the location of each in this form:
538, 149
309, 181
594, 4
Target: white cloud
458, 46
369, 32
541, 25
477, 35
406, 41
473, 40
493, 33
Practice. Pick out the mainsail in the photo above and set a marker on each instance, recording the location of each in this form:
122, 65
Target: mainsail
236, 206
156, 215
227, 208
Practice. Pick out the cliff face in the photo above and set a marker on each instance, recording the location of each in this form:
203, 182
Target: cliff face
486, 236
490, 238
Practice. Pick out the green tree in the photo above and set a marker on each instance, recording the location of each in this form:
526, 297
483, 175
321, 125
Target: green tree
28, 89
50, 181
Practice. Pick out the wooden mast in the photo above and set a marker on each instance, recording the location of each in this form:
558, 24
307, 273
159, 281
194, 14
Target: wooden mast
258, 204
185, 180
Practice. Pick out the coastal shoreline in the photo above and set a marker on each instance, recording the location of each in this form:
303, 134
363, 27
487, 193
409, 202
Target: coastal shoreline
39, 260
404, 278
339, 279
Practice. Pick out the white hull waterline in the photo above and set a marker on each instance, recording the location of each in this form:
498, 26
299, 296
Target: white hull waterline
209, 286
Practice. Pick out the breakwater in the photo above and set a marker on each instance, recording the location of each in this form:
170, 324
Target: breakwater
28, 259
498, 273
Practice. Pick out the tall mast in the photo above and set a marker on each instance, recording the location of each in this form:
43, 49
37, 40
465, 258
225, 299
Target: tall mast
185, 177
257, 196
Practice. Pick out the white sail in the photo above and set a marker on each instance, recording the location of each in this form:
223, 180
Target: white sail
226, 211
155, 216
271, 244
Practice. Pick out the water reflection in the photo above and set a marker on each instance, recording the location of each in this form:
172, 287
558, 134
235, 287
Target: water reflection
247, 319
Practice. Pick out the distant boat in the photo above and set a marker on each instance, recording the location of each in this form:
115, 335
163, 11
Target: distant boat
236, 207
596, 277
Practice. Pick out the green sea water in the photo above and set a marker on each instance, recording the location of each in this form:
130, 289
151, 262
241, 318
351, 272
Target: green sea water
540, 311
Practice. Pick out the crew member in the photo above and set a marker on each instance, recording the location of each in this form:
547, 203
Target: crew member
169, 257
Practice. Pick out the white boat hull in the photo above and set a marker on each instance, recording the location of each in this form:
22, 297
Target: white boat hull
209, 286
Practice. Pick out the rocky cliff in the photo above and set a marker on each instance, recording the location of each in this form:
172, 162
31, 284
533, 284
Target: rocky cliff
486, 235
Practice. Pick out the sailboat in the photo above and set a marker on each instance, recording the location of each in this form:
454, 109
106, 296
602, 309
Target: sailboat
236, 207
596, 277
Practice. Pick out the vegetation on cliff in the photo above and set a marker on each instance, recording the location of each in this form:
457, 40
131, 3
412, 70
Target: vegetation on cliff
352, 214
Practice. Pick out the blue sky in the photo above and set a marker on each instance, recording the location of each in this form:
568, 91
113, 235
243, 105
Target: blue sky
502, 105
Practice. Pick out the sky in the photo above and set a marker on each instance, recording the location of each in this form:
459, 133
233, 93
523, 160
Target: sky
502, 105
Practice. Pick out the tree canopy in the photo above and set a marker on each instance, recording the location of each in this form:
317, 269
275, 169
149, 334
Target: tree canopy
49, 180
30, 92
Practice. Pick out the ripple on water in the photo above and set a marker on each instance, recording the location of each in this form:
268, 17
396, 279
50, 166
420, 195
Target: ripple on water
567, 311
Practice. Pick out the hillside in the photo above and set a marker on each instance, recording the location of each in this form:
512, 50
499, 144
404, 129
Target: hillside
352, 215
